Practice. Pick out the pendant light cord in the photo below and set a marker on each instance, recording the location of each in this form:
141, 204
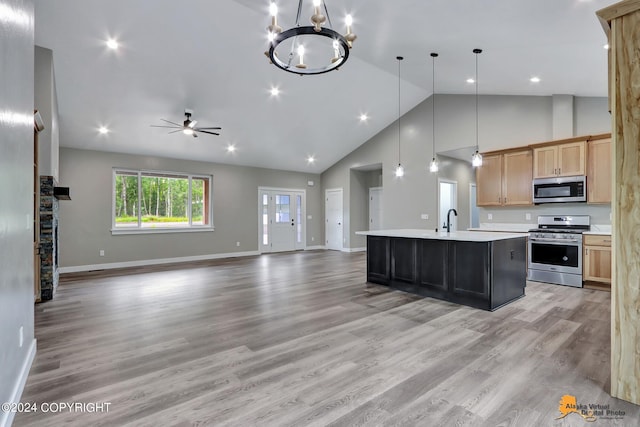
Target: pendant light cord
399, 58
433, 104
477, 52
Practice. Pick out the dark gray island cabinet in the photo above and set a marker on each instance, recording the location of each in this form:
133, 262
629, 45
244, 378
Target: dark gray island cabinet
478, 269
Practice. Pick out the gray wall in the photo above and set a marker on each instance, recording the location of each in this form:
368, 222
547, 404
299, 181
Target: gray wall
46, 102
85, 221
16, 189
504, 122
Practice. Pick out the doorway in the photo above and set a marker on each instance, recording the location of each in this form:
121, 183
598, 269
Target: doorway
447, 199
334, 219
375, 208
474, 218
282, 225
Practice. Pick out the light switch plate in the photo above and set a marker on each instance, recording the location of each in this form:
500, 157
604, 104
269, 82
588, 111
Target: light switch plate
424, 216
489, 217
527, 216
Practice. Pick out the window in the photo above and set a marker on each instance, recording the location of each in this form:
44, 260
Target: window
146, 201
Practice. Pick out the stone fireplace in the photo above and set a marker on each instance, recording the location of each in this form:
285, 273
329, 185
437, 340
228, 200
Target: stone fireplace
48, 238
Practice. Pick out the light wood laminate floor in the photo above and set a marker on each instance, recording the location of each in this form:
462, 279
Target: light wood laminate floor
300, 339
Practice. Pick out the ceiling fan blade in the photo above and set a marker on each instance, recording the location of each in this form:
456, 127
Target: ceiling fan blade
210, 128
170, 127
192, 125
174, 131
173, 123
204, 131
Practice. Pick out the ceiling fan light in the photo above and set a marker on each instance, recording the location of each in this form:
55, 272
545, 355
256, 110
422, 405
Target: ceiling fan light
188, 131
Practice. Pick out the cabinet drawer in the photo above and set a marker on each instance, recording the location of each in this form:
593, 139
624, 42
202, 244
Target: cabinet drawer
597, 240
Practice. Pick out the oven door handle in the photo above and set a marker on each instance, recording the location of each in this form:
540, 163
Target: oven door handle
537, 239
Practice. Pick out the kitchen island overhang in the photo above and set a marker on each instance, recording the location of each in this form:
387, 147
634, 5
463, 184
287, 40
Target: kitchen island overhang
478, 269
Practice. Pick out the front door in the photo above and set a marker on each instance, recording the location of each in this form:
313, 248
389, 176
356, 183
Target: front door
282, 222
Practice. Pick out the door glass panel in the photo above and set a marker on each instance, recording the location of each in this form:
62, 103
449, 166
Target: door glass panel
299, 219
265, 219
283, 208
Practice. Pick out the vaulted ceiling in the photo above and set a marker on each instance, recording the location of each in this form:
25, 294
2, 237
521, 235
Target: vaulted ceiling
208, 56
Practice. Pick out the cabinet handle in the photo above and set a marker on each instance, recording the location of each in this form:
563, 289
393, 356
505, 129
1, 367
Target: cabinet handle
559, 171
505, 200
586, 251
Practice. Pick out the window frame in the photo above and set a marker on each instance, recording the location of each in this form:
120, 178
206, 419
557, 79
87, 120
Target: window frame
140, 173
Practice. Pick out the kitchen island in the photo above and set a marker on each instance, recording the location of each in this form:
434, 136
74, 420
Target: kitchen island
478, 269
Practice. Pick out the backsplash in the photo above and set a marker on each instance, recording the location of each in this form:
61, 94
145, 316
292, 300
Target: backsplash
599, 214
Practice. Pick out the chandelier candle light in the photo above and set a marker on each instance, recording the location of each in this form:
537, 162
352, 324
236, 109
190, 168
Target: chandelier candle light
399, 169
326, 49
433, 167
476, 159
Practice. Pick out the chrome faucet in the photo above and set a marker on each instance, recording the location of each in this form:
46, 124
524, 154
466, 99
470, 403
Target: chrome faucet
448, 226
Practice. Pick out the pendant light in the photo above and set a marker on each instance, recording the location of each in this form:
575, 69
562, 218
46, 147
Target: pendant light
433, 167
476, 159
399, 169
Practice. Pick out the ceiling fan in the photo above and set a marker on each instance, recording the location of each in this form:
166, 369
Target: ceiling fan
188, 127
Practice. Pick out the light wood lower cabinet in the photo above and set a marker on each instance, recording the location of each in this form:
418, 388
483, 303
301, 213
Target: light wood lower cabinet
596, 260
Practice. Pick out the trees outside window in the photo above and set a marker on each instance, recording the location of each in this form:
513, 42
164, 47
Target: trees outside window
161, 200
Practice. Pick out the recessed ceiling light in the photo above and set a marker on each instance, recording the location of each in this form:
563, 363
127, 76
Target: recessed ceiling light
103, 130
470, 81
311, 159
606, 46
231, 148
275, 91
364, 117
534, 79
112, 44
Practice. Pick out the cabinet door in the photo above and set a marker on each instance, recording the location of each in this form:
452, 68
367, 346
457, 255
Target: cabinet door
517, 178
489, 181
545, 161
597, 264
572, 159
599, 179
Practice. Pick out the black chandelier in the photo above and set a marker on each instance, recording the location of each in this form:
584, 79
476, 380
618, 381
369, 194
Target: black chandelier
291, 42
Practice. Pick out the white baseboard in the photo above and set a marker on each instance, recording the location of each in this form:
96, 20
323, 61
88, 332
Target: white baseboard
354, 249
314, 248
6, 418
145, 262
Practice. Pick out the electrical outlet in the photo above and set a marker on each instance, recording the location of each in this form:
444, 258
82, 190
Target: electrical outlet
489, 217
309, 217
424, 216
237, 243
527, 216
21, 336
101, 252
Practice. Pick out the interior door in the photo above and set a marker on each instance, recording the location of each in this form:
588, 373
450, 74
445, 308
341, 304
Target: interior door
282, 220
448, 199
334, 219
375, 208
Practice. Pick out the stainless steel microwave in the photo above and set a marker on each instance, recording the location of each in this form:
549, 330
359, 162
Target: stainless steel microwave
565, 189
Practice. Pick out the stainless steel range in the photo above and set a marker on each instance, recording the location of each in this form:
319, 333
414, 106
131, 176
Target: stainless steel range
555, 249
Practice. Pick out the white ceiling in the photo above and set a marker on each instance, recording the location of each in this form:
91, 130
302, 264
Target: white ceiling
208, 56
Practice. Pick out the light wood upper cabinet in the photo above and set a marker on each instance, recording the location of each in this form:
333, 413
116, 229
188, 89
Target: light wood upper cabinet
599, 176
566, 159
517, 179
504, 179
489, 181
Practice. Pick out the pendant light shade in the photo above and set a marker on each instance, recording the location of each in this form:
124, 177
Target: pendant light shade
476, 159
433, 167
399, 169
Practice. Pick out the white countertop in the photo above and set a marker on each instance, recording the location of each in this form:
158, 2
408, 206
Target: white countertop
599, 229
504, 227
464, 236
